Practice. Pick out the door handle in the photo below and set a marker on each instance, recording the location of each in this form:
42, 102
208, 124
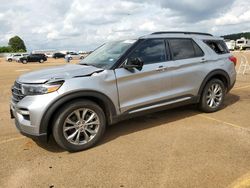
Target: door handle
160, 68
203, 60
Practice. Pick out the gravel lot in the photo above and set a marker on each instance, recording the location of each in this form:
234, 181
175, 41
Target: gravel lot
174, 148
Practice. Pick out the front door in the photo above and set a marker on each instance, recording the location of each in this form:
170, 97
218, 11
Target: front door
140, 89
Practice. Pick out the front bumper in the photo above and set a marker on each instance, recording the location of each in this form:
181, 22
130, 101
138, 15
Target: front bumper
40, 137
25, 129
28, 114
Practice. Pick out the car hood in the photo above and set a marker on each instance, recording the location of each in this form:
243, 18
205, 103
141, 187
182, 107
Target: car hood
58, 73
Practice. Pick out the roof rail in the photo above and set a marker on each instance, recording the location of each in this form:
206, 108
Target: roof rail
180, 32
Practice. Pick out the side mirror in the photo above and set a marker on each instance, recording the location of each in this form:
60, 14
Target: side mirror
133, 63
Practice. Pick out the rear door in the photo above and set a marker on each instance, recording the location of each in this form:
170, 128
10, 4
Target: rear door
32, 58
187, 65
139, 90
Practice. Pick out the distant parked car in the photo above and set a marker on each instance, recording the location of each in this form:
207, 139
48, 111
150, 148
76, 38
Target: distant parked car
10, 57
243, 44
33, 58
58, 55
231, 44
18, 56
83, 54
49, 55
73, 55
15, 57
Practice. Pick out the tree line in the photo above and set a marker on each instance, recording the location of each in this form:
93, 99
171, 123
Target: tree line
237, 36
15, 44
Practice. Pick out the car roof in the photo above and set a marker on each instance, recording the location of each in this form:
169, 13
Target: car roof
179, 34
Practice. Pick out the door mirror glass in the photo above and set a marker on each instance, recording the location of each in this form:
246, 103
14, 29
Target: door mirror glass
133, 63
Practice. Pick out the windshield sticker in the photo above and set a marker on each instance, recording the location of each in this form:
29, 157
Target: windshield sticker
129, 41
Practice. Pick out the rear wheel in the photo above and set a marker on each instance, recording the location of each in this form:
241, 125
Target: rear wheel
212, 96
79, 125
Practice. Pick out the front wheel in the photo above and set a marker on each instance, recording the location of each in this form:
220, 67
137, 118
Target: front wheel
79, 125
41, 61
213, 95
24, 61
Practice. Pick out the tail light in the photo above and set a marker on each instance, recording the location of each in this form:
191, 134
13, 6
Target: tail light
233, 59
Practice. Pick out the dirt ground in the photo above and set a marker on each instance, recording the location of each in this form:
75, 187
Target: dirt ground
175, 148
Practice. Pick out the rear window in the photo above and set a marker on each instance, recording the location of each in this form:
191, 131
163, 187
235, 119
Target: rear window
218, 46
184, 49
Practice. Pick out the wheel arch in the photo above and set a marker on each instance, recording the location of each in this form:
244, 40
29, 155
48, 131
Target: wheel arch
101, 99
219, 74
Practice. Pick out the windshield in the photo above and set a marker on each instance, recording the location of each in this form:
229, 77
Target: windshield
106, 55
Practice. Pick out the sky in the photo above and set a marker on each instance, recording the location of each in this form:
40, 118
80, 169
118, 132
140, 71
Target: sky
86, 24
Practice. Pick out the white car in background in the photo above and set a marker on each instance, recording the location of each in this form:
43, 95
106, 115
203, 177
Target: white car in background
18, 56
231, 44
243, 44
9, 57
49, 54
73, 55
15, 57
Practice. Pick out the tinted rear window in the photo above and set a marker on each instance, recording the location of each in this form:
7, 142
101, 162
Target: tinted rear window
218, 46
184, 49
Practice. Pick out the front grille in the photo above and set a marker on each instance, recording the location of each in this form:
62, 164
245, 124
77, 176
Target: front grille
17, 92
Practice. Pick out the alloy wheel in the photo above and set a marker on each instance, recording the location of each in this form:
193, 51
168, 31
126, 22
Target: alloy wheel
81, 126
214, 95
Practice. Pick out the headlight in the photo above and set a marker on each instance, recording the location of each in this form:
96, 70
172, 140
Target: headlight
38, 89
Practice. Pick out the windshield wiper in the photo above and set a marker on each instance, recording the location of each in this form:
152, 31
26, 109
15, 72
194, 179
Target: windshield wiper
86, 64
86, 75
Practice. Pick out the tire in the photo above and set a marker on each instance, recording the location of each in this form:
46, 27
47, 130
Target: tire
212, 98
9, 60
89, 134
24, 61
41, 61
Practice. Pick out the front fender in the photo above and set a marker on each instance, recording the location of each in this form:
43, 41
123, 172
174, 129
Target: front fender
110, 110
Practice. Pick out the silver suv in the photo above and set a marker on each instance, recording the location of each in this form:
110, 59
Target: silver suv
119, 80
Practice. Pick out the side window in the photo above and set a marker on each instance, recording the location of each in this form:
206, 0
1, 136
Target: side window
218, 46
150, 51
184, 49
198, 50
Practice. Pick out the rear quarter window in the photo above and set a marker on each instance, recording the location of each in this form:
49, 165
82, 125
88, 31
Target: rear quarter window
218, 46
184, 49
